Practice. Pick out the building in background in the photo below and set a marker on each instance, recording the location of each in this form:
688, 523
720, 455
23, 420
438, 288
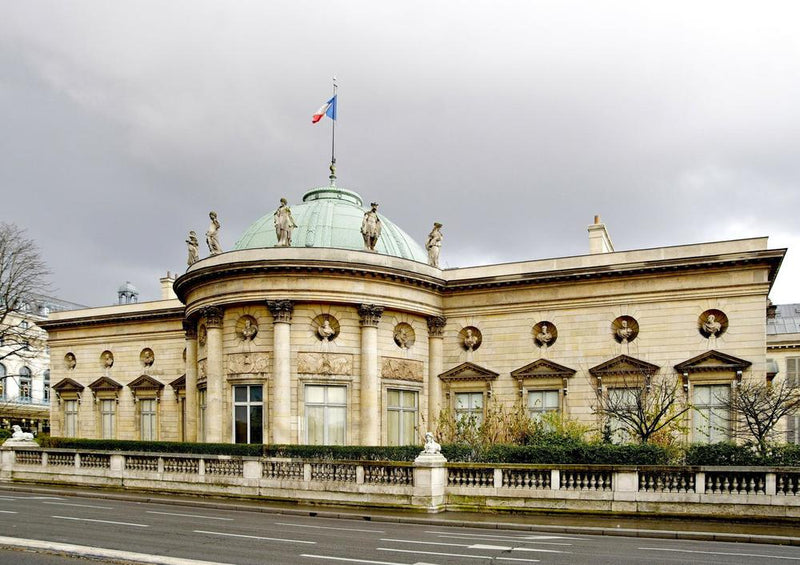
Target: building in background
327, 340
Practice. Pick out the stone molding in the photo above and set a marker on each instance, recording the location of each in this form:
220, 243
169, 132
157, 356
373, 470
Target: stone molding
436, 326
370, 315
281, 310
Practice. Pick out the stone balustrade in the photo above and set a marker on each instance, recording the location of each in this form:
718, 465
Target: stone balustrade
428, 484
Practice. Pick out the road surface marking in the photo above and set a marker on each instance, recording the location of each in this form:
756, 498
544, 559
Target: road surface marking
190, 515
101, 521
350, 560
435, 553
516, 559
7, 512
523, 539
80, 505
99, 552
328, 528
253, 537
425, 542
719, 553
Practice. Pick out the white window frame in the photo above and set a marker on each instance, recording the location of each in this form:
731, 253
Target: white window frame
402, 412
327, 407
248, 404
469, 410
148, 419
537, 410
108, 416
70, 418
201, 414
705, 415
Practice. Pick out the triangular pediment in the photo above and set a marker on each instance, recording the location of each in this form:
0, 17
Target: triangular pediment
468, 372
179, 383
712, 361
623, 365
105, 384
67, 385
145, 382
542, 369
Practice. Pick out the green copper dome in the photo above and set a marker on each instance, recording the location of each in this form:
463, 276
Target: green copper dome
331, 217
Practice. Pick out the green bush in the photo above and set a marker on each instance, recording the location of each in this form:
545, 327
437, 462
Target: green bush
344, 452
4, 433
153, 446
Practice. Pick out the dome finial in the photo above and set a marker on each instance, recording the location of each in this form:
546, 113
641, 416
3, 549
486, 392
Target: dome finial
332, 168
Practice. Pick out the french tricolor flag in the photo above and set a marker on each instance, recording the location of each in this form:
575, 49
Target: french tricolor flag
327, 109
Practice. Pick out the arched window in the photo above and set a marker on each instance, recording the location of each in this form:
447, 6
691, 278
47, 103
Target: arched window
2, 381
25, 385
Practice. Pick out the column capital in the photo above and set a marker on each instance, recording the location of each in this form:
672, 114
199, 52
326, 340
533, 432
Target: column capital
281, 310
213, 315
190, 328
436, 326
370, 314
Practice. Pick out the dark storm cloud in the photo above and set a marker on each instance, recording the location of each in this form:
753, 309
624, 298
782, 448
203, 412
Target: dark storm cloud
512, 123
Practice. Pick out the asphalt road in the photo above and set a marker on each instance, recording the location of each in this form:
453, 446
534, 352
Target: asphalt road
177, 533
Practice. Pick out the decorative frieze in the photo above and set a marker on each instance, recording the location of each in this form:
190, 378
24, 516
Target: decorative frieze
281, 310
436, 326
370, 314
324, 363
246, 363
401, 369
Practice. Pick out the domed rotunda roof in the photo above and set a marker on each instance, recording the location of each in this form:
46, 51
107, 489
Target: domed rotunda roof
331, 217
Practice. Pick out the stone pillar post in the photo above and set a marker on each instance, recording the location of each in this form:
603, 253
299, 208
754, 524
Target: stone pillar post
215, 375
281, 311
435, 338
370, 315
190, 420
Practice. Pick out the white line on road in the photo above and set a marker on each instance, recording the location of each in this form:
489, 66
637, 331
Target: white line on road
7, 512
80, 505
350, 560
190, 515
516, 559
253, 537
101, 521
434, 553
521, 539
719, 553
328, 528
100, 552
474, 546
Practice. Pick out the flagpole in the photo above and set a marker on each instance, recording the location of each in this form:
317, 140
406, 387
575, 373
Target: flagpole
333, 138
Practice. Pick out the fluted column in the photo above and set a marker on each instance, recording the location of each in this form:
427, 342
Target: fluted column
436, 326
190, 406
215, 375
370, 315
281, 311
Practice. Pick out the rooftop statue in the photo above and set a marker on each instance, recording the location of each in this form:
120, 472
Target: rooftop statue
193, 247
284, 224
371, 227
212, 235
434, 245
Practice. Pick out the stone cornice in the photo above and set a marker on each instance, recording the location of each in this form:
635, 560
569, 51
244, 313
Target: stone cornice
118, 318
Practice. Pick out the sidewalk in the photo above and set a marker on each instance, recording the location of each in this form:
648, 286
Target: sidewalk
778, 533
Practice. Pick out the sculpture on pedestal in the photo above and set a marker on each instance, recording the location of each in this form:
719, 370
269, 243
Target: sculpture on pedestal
371, 227
193, 248
284, 224
212, 235
434, 245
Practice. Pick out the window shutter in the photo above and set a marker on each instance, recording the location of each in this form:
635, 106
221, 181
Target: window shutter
791, 371
791, 428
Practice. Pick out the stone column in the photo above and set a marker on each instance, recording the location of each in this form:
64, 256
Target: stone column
281, 400
370, 315
215, 376
190, 421
435, 339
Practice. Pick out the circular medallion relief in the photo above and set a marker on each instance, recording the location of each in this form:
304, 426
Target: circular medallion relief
70, 361
470, 338
712, 323
247, 328
325, 327
404, 335
545, 334
147, 357
625, 329
106, 359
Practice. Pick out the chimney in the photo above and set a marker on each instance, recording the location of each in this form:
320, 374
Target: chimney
167, 293
599, 240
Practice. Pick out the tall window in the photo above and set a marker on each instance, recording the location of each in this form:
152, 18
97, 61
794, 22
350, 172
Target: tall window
711, 416
201, 415
70, 418
542, 401
469, 407
108, 409
46, 391
147, 412
248, 414
326, 414
25, 385
401, 416
793, 420
626, 400
2, 381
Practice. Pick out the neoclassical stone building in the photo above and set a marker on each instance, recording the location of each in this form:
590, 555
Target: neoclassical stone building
323, 341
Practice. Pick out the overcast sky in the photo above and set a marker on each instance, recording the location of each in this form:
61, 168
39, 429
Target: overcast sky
123, 123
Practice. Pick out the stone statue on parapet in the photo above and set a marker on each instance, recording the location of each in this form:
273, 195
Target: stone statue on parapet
431, 446
371, 227
434, 245
20, 437
284, 224
193, 247
212, 235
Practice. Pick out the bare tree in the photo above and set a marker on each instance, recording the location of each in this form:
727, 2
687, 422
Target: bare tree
759, 405
23, 274
642, 406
